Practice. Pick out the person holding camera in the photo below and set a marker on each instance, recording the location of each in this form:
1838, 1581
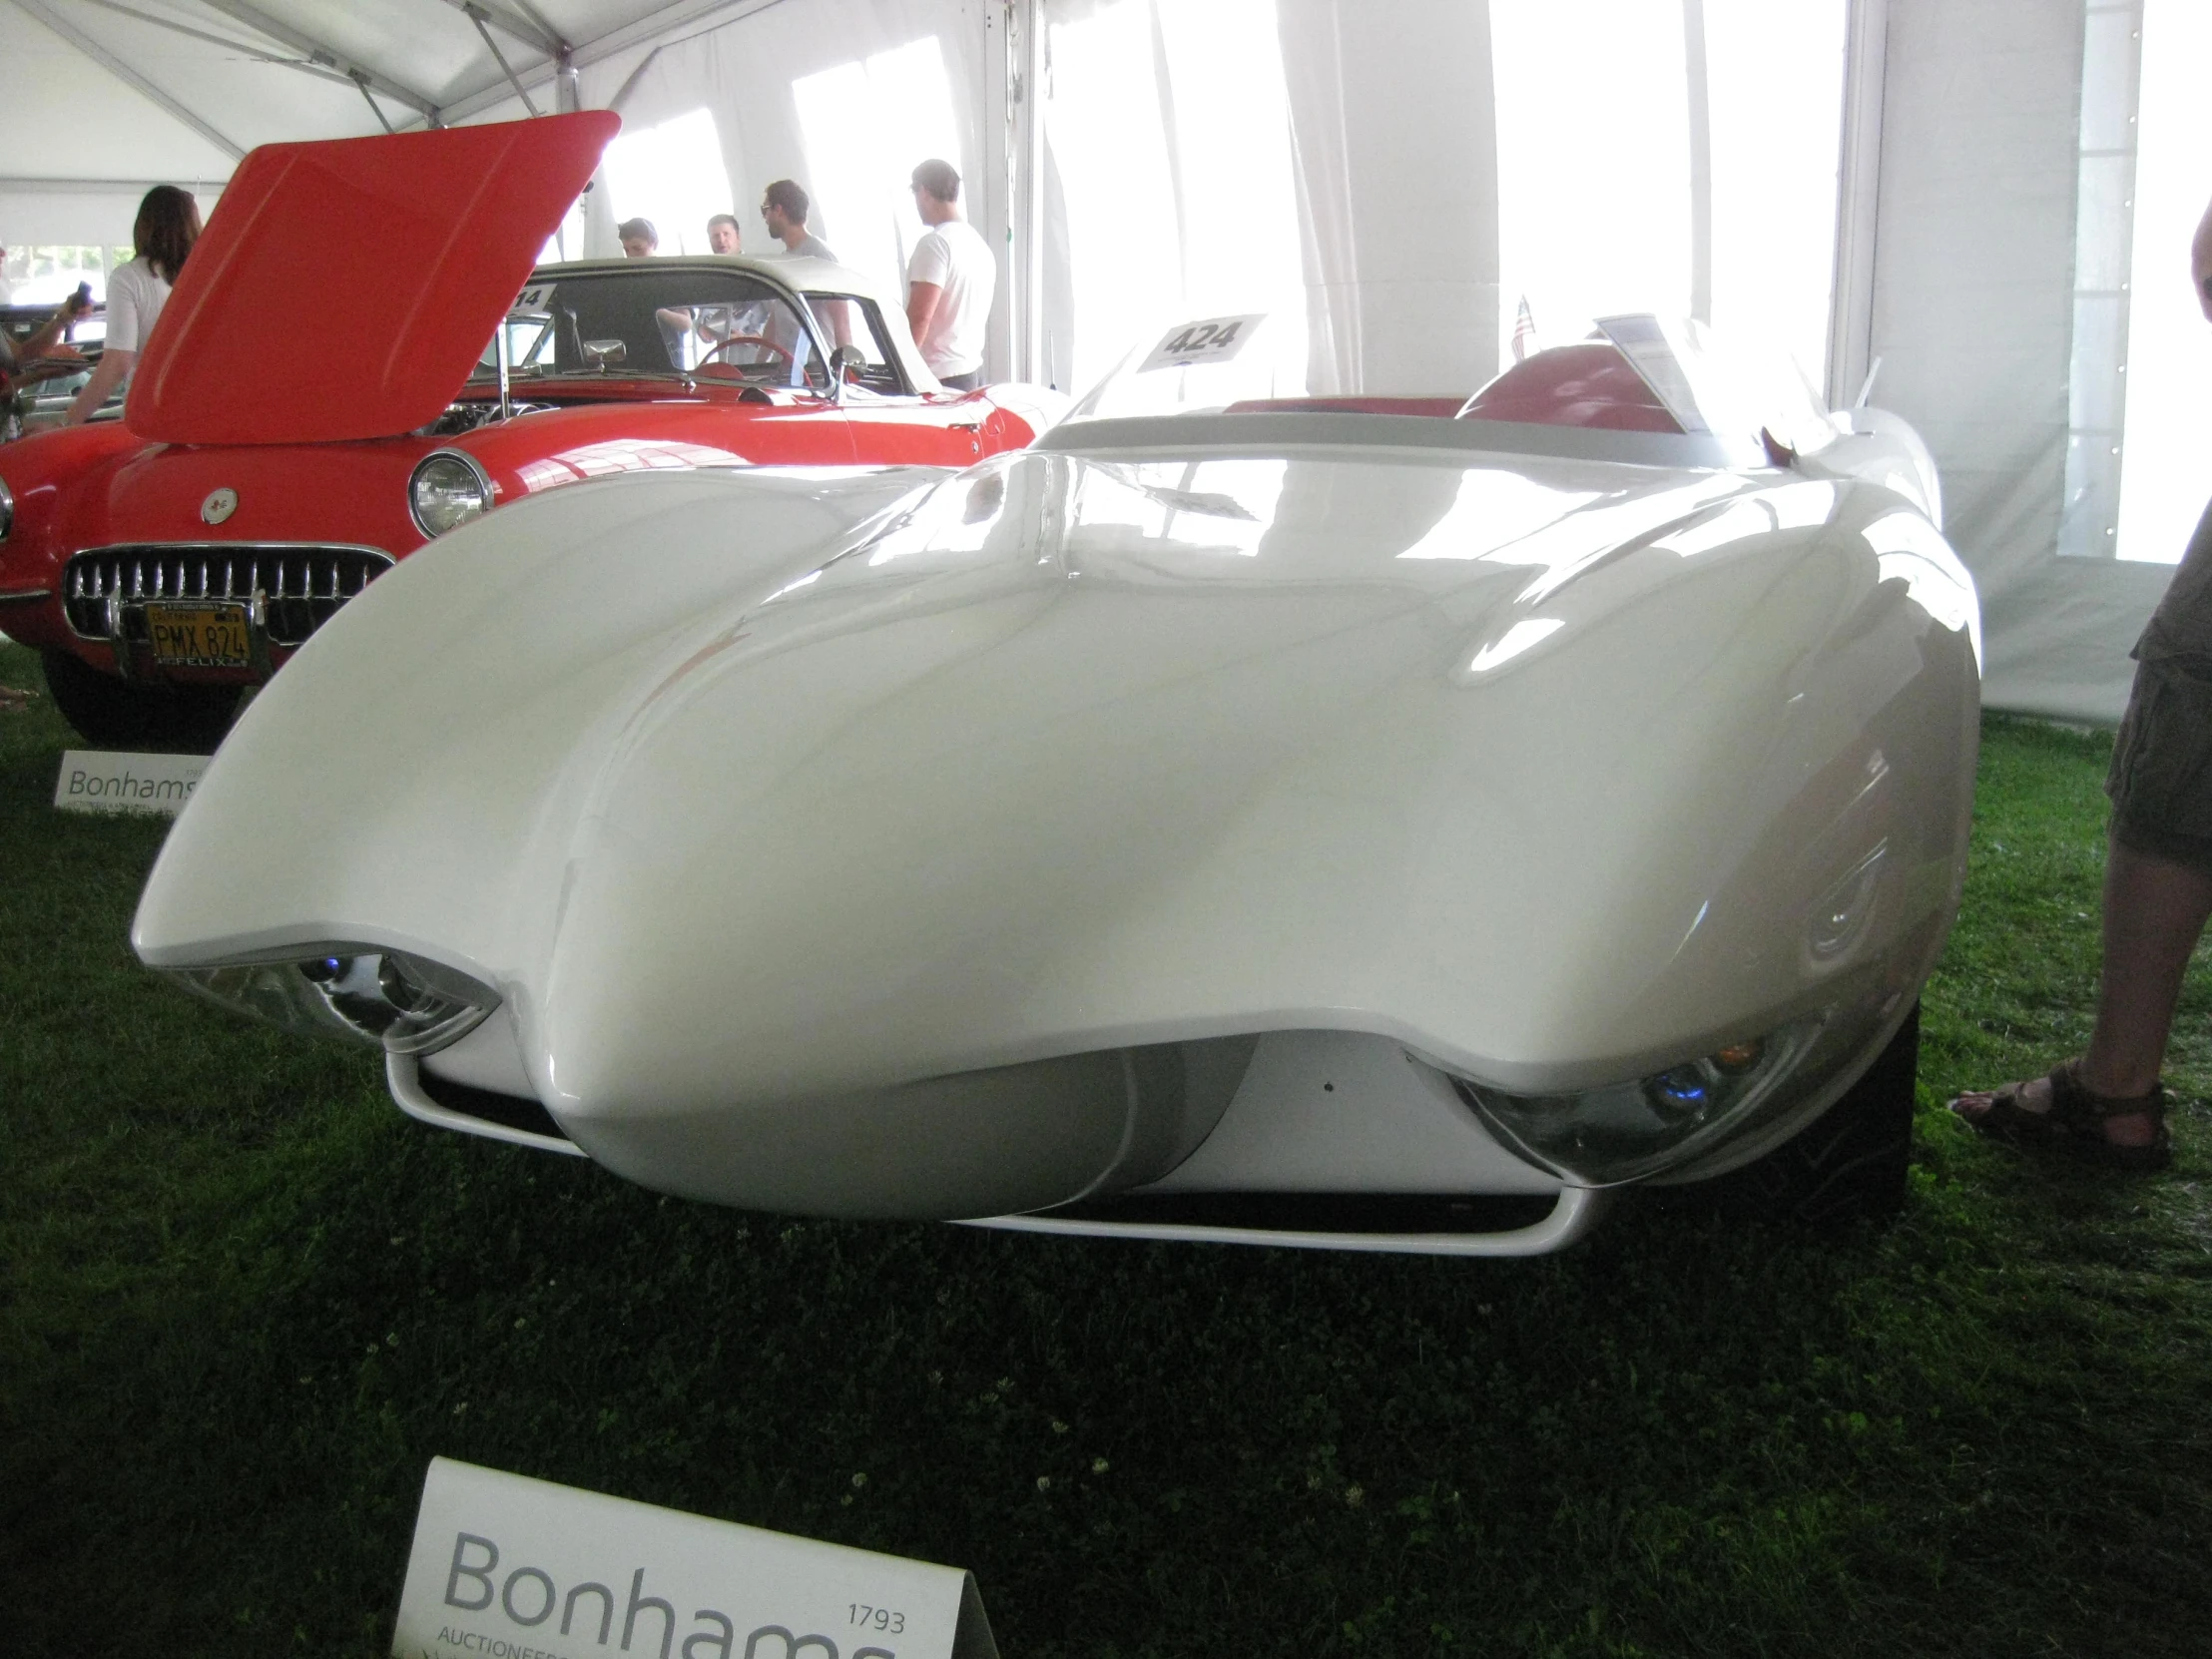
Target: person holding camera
49, 344
166, 227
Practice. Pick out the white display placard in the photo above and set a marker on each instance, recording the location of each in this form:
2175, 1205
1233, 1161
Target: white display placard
104, 780
506, 1567
1210, 340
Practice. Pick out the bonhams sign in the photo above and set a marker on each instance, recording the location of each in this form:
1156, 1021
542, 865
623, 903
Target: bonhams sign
506, 1567
95, 780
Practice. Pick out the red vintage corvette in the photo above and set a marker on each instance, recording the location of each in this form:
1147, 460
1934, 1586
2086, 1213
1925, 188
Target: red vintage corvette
318, 400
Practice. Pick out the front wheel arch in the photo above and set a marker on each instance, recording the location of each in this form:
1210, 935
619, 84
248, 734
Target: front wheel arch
1850, 1163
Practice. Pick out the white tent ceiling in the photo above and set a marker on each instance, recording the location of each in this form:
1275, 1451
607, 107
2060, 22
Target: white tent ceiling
105, 96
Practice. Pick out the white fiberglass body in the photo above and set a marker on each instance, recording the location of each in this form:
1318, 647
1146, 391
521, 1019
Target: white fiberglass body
1200, 825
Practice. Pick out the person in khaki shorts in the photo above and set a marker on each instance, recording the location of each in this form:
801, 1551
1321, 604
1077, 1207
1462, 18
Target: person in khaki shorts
2109, 1106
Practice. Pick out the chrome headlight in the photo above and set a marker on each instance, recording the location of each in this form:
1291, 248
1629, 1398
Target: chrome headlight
7, 509
1623, 1131
446, 490
383, 998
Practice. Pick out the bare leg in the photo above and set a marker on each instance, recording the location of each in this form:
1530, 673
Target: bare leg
2154, 911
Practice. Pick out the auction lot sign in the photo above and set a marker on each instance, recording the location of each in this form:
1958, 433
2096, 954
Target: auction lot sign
99, 780
505, 1567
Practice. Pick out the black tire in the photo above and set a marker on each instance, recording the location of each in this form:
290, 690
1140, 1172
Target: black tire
1848, 1164
115, 714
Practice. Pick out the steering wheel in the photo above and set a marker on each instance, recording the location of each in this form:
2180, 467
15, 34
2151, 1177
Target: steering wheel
721, 346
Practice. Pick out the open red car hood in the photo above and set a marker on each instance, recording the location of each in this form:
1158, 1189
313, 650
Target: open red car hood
344, 289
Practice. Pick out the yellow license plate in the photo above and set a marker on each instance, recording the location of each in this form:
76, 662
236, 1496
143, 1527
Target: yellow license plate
198, 636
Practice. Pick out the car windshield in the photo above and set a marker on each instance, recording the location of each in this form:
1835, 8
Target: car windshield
648, 320
1636, 372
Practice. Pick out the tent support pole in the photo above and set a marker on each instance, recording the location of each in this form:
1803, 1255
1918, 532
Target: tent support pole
369, 99
260, 54
1701, 160
242, 10
1858, 175
476, 16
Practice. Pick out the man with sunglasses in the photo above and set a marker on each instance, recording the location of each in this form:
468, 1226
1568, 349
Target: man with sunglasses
785, 206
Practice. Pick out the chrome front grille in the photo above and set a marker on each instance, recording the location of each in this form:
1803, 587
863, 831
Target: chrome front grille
304, 585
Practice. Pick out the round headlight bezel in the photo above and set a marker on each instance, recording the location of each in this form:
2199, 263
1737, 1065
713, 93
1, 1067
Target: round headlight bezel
449, 469
366, 994
1645, 1126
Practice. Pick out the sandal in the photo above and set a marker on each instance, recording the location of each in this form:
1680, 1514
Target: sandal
2075, 1122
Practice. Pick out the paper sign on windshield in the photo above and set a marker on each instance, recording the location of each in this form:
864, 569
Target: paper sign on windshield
1213, 340
535, 297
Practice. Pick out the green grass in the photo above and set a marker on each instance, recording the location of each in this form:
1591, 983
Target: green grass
243, 1302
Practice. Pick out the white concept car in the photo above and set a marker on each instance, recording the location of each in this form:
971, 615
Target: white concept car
1327, 817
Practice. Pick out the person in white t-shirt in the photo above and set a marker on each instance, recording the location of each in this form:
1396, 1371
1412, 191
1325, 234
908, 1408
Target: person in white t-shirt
168, 224
949, 281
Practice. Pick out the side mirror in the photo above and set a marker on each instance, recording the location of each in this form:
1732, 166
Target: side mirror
601, 353
845, 363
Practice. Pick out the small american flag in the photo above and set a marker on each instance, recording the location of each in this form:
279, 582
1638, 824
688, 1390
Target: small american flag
1525, 333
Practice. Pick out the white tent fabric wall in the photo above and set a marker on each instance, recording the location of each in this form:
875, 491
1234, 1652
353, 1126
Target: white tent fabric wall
1169, 187
1281, 156
85, 216
1973, 321
1396, 162
844, 96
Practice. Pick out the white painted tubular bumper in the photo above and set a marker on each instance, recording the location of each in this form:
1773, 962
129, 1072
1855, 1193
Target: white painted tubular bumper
1577, 1210
403, 1076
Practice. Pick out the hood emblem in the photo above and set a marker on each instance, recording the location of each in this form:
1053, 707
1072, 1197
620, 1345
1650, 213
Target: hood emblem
219, 505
